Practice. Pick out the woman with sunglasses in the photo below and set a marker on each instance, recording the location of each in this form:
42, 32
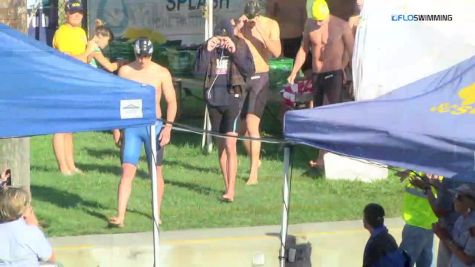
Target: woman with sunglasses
461, 241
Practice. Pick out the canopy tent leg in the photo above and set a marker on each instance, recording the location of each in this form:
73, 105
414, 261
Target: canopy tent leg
207, 142
153, 170
286, 203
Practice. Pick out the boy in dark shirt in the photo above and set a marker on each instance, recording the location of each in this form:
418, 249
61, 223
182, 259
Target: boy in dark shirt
380, 243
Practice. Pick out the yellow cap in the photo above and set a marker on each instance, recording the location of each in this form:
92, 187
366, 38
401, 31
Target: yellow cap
317, 9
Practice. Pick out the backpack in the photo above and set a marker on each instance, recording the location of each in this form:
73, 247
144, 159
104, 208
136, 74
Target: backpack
395, 258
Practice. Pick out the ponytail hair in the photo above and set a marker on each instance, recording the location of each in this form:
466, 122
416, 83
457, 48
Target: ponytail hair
102, 30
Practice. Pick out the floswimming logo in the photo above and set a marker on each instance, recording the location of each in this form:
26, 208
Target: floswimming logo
419, 17
467, 97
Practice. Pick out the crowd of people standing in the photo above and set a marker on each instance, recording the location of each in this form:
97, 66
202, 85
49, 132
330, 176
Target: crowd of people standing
234, 64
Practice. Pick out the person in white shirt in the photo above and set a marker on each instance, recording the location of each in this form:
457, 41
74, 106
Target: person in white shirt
21, 244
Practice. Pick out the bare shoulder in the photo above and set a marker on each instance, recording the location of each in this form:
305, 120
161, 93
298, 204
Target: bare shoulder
339, 22
162, 71
273, 24
125, 70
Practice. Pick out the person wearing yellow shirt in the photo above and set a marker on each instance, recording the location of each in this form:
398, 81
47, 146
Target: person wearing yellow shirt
70, 39
417, 235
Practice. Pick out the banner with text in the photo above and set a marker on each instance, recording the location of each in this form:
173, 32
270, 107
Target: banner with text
160, 20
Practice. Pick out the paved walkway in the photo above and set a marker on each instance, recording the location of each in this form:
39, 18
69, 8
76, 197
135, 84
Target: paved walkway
334, 244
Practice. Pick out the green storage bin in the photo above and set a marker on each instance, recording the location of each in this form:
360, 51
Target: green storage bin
280, 69
124, 50
181, 62
119, 50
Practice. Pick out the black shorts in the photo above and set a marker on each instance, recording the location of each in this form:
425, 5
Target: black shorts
226, 119
257, 94
290, 48
327, 86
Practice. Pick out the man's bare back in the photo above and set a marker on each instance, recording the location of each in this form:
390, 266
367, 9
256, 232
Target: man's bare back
328, 41
153, 74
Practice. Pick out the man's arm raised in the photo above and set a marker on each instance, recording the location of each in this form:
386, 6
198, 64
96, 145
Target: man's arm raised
170, 97
272, 42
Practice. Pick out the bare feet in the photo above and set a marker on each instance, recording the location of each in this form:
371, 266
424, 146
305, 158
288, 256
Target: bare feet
67, 173
78, 171
227, 198
316, 164
252, 181
116, 222
252, 178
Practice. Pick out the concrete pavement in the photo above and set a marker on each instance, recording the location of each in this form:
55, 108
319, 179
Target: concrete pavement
334, 244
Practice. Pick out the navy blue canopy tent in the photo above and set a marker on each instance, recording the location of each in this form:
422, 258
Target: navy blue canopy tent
428, 126
44, 91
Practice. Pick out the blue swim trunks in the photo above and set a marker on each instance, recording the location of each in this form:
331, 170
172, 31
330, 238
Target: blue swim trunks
134, 137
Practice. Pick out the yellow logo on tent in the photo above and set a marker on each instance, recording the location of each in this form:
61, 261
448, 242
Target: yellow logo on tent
467, 96
317, 9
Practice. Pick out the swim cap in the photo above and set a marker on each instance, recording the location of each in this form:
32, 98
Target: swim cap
143, 47
317, 9
252, 9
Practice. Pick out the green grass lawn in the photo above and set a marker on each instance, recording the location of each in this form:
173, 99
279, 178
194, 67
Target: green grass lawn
81, 204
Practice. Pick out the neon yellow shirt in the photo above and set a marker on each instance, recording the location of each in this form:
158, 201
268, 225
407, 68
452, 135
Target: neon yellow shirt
416, 208
70, 40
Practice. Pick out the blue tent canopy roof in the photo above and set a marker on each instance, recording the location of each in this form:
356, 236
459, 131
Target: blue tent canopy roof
428, 125
44, 91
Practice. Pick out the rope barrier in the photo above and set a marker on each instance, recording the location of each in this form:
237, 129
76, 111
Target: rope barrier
185, 128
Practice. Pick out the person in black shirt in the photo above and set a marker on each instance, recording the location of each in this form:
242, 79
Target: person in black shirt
226, 61
380, 243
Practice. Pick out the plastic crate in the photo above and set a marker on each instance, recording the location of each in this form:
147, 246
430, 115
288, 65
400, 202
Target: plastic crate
181, 62
280, 69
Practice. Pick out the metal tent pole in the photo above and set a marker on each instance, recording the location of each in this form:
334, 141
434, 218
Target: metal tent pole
286, 204
153, 169
206, 142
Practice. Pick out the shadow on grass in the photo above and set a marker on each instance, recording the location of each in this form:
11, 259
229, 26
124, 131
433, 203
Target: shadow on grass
69, 200
42, 168
62, 199
203, 190
110, 169
101, 153
66, 200
188, 166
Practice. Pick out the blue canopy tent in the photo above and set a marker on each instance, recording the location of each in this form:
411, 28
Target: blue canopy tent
44, 92
427, 126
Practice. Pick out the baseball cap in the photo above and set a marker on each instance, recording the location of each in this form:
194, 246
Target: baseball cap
317, 9
73, 6
224, 28
143, 47
464, 190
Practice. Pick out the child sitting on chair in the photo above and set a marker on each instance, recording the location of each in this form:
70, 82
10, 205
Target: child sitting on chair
21, 244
